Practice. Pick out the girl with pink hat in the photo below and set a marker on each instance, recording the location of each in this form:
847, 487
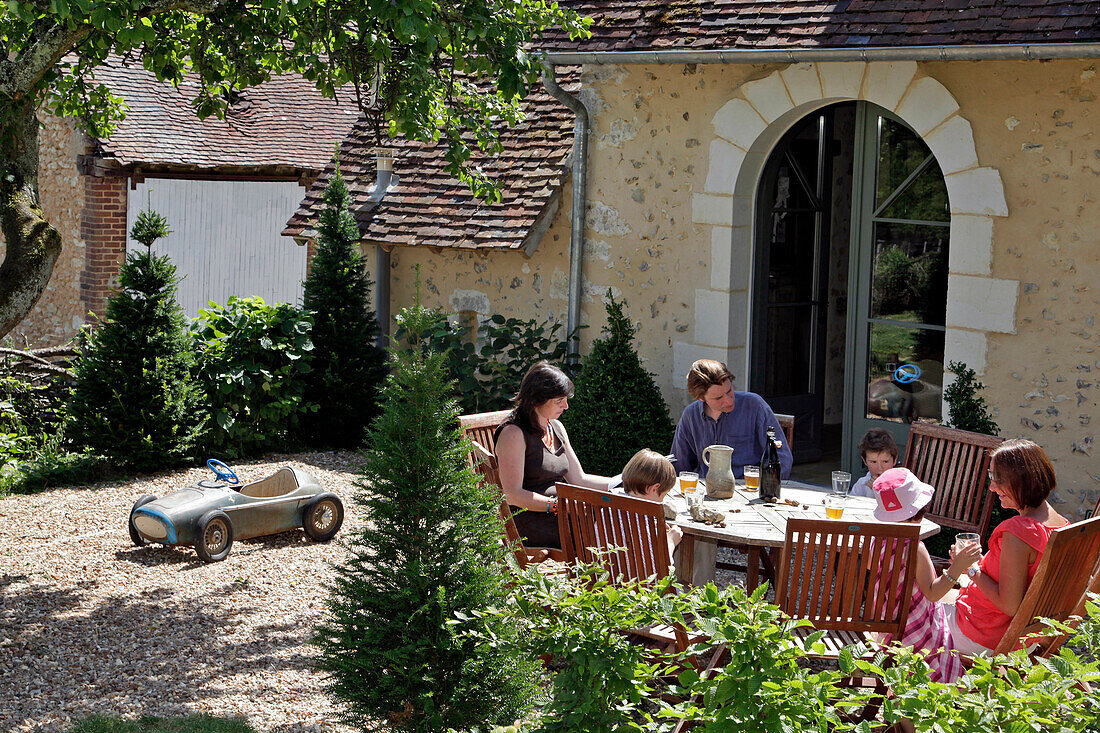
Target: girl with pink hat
902, 497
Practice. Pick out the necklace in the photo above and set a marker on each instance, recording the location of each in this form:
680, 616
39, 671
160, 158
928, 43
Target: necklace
548, 437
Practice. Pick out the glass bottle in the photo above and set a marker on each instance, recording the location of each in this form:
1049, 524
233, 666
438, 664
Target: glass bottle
770, 468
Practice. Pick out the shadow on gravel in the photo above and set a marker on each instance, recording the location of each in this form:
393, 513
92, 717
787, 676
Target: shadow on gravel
159, 654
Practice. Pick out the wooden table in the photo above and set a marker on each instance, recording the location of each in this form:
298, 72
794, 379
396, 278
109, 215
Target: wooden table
757, 525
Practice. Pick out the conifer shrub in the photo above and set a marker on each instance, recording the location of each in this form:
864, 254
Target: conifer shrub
616, 396
397, 639
254, 359
134, 399
966, 408
348, 365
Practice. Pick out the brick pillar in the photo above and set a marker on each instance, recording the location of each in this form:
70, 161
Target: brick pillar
311, 252
103, 229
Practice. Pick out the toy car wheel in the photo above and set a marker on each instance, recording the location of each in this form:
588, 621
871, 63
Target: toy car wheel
322, 517
213, 536
135, 536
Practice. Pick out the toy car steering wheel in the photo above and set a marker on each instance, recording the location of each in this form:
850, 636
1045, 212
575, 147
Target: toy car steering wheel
907, 374
222, 472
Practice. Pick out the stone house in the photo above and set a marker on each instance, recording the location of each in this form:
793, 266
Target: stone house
838, 200
226, 187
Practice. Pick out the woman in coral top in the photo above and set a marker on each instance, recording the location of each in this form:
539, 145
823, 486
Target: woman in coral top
1022, 478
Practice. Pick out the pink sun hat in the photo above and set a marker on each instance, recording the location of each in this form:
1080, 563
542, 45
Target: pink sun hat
900, 495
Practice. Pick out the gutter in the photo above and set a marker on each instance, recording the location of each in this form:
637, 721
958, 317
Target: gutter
1036, 51
385, 180
581, 131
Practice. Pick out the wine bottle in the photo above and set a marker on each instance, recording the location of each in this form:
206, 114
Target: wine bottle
770, 468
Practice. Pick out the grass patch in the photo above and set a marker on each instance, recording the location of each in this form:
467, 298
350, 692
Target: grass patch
152, 724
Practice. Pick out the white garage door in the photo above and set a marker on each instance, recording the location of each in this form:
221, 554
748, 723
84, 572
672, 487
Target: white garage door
225, 238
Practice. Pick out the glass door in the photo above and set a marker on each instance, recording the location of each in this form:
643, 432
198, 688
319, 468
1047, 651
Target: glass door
791, 271
897, 291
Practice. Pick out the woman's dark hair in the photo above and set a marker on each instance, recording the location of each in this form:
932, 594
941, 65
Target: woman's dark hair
542, 382
1023, 467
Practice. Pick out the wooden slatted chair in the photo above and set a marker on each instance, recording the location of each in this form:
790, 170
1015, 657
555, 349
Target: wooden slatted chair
590, 520
831, 573
481, 426
786, 422
485, 463
1070, 565
956, 463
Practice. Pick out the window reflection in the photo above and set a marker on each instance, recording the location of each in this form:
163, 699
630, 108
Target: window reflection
905, 373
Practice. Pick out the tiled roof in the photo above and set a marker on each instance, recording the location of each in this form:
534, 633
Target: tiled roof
430, 207
762, 24
283, 123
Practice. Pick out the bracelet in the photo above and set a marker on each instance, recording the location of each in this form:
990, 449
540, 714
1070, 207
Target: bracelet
949, 576
551, 507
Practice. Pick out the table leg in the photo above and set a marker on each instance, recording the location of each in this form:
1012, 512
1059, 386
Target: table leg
685, 559
706, 554
752, 568
770, 557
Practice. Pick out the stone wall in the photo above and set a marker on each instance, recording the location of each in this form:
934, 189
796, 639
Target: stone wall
672, 167
60, 311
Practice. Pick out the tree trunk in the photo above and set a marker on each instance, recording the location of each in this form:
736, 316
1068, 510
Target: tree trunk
32, 243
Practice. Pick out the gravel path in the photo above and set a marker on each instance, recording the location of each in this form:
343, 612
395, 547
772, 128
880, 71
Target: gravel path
91, 624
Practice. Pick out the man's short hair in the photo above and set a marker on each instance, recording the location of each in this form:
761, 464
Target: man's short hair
704, 374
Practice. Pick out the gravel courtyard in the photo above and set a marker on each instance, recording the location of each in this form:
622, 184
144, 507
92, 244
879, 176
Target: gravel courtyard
91, 624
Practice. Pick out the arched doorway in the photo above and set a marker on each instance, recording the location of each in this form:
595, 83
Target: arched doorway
850, 279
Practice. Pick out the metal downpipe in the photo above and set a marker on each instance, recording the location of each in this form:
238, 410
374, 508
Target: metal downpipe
384, 181
581, 132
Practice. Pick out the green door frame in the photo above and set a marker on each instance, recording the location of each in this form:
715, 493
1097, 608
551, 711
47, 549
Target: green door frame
860, 282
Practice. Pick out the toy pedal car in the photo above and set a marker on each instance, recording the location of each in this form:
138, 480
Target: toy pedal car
211, 514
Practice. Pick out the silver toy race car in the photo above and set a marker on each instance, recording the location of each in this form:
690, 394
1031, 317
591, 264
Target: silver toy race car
211, 514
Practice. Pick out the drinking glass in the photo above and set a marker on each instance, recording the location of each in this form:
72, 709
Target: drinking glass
752, 478
689, 481
834, 506
841, 481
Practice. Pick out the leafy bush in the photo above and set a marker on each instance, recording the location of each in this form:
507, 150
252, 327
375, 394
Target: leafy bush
134, 399
616, 396
1001, 693
394, 642
605, 680
51, 466
765, 683
253, 360
488, 378
966, 409
348, 366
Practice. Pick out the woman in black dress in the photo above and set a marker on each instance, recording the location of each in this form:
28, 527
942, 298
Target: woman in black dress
533, 453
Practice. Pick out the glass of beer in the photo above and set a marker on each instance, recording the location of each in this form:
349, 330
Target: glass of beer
834, 506
689, 481
752, 478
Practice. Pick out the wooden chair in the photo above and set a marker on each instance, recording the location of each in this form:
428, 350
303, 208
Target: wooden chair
481, 426
786, 422
1070, 566
590, 520
485, 463
956, 463
831, 573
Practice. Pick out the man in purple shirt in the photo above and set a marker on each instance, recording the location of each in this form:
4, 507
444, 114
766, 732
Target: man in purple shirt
721, 416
